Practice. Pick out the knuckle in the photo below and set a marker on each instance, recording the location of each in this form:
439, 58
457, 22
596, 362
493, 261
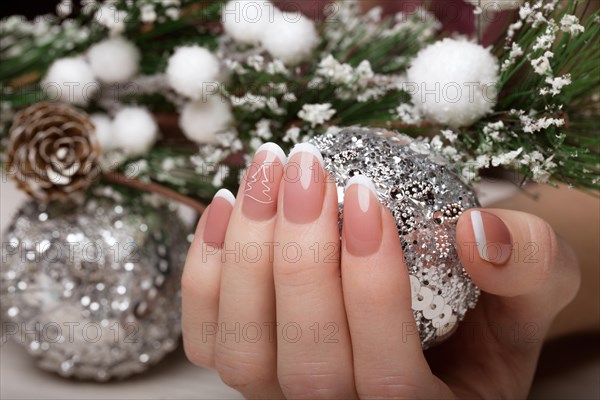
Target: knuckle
194, 289
197, 355
299, 384
243, 371
388, 386
189, 284
545, 245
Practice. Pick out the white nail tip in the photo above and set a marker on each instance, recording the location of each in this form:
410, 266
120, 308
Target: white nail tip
227, 195
479, 233
273, 149
307, 148
362, 180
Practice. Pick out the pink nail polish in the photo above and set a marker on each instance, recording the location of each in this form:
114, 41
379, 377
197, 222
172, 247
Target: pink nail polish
304, 184
362, 227
494, 242
218, 218
261, 184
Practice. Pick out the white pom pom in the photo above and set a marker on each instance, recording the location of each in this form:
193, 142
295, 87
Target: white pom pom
454, 82
104, 133
200, 120
70, 80
134, 130
114, 60
246, 20
291, 37
192, 70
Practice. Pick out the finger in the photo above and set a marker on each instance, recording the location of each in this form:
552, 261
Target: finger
528, 274
511, 254
246, 345
314, 350
388, 360
201, 281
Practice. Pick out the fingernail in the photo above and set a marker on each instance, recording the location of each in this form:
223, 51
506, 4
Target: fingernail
303, 184
262, 182
494, 243
218, 218
362, 226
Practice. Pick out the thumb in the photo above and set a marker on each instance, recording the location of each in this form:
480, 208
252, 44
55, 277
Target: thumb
511, 253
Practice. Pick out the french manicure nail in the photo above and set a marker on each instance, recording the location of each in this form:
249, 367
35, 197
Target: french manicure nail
304, 184
218, 218
362, 227
262, 182
494, 243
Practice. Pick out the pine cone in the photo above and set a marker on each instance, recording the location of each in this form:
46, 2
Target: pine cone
53, 151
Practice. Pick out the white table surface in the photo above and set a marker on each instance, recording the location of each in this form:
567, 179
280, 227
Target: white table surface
176, 378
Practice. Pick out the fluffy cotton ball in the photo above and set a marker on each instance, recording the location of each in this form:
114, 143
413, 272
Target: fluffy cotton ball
495, 5
114, 60
70, 80
291, 37
192, 70
200, 120
104, 133
246, 20
134, 130
452, 82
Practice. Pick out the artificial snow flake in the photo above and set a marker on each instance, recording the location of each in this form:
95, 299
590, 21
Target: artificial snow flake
570, 24
148, 13
512, 28
545, 41
515, 51
496, 5
335, 71
221, 174
506, 158
541, 65
290, 98
316, 114
112, 19
292, 135
556, 84
64, 8
449, 135
531, 125
408, 114
263, 129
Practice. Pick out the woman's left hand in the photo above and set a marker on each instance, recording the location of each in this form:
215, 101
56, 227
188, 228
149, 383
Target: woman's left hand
281, 309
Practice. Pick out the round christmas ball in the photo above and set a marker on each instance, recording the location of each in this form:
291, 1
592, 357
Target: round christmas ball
426, 197
93, 290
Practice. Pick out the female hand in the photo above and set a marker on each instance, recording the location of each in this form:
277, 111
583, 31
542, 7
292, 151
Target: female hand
280, 309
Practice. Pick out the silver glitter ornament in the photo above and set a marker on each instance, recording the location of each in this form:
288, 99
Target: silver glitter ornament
426, 197
93, 290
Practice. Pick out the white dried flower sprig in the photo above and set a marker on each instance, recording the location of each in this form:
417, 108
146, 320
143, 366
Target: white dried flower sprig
316, 114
